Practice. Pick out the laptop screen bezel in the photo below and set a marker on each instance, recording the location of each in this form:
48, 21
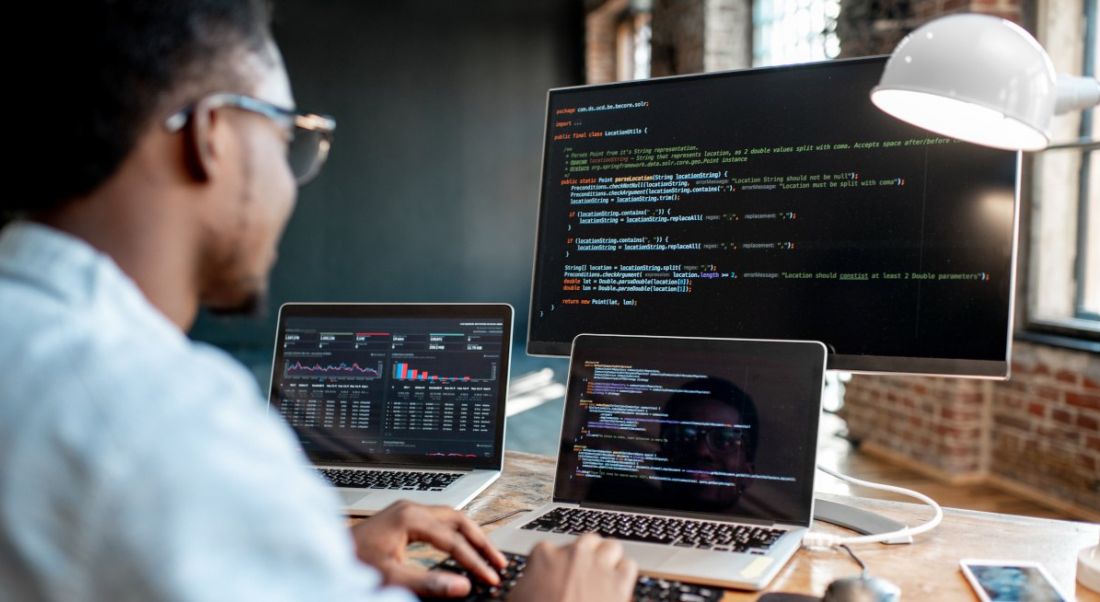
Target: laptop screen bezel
774, 348
472, 311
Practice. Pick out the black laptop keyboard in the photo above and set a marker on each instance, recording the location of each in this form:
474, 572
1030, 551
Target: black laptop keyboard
657, 529
647, 589
390, 479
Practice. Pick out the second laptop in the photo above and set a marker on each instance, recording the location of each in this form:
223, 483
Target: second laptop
698, 454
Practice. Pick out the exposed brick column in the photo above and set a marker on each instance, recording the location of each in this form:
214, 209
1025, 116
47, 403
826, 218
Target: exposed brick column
678, 37
727, 38
692, 36
601, 27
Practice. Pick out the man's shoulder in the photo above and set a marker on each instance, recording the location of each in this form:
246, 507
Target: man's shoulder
96, 378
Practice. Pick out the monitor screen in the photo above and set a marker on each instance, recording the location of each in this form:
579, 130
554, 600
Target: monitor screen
774, 203
394, 384
717, 427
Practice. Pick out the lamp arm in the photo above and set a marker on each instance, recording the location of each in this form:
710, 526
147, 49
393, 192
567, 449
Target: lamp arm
1087, 144
1076, 93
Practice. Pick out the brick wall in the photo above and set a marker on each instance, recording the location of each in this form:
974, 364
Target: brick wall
867, 27
688, 36
1046, 424
692, 36
678, 37
935, 421
600, 32
1037, 433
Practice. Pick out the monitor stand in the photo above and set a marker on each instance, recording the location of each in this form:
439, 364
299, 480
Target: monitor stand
860, 521
837, 513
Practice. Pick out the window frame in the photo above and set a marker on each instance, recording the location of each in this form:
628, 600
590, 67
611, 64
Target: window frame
1088, 155
1081, 329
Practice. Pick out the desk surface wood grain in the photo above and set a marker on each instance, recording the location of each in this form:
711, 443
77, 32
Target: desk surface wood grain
925, 570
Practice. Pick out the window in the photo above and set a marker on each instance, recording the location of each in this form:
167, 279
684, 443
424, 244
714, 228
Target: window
632, 56
1063, 288
794, 31
1088, 244
618, 40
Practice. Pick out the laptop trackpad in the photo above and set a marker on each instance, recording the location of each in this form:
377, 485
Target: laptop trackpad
351, 497
648, 556
725, 565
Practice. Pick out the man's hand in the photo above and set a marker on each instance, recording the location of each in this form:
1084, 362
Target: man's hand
590, 568
381, 539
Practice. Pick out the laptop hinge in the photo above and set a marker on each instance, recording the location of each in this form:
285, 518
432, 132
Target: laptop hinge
679, 514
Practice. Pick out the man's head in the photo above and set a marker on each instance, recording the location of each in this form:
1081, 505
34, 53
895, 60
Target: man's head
182, 102
712, 426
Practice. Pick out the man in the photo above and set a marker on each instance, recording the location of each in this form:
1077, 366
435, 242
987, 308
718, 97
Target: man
135, 464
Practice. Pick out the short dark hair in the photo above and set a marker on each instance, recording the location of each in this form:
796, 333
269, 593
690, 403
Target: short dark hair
726, 392
105, 69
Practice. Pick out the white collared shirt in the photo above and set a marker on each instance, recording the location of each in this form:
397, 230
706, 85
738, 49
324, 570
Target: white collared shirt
138, 465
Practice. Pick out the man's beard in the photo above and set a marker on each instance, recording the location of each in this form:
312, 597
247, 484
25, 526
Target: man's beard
253, 305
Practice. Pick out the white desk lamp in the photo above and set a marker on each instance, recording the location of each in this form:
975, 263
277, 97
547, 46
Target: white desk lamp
985, 80
981, 79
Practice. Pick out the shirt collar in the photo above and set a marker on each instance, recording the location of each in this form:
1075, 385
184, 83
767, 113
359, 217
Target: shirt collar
72, 271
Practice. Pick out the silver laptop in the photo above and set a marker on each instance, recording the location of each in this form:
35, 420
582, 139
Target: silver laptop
698, 454
396, 401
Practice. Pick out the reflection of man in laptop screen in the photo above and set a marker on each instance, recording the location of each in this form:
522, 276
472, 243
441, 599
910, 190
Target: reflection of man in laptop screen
710, 434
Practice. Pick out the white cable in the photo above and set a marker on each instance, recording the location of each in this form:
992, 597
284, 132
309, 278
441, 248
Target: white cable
828, 540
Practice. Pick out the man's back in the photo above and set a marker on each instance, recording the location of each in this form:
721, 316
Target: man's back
135, 464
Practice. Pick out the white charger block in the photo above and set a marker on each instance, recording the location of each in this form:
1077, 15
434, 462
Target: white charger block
1088, 568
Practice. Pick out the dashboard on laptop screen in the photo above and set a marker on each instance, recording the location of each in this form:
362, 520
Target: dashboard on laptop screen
392, 388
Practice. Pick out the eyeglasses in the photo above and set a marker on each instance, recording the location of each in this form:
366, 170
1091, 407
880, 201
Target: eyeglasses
717, 438
309, 135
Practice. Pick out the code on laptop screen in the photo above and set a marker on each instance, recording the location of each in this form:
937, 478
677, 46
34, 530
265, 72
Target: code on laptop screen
698, 426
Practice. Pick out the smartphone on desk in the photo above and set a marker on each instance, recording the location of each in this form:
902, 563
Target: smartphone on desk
1011, 581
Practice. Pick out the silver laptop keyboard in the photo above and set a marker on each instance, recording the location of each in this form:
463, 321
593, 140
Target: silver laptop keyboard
672, 531
389, 479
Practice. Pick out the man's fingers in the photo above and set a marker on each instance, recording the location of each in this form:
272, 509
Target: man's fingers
445, 537
587, 542
442, 584
477, 538
609, 552
468, 557
628, 569
542, 549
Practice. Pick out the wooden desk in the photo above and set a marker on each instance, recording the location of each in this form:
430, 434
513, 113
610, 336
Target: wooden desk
926, 570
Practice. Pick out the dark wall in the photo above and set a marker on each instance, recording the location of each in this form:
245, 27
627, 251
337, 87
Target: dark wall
431, 190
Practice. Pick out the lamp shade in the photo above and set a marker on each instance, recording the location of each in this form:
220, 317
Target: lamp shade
973, 77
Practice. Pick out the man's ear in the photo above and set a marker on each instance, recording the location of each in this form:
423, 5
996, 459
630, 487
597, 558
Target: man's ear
200, 148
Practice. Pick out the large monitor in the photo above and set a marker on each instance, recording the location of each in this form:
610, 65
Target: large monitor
774, 203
